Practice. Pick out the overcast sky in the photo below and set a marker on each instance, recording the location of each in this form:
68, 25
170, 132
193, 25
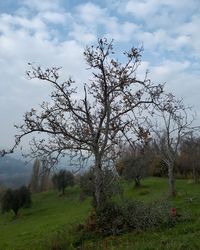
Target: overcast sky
55, 32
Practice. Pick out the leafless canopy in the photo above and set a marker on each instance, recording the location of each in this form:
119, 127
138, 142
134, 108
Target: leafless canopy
99, 122
175, 124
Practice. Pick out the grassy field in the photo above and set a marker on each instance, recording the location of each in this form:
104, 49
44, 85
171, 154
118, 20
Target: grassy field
51, 218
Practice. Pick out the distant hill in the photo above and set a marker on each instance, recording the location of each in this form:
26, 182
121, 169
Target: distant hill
13, 172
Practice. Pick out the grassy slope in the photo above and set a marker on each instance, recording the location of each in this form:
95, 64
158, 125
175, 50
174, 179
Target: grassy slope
51, 213
183, 236
48, 214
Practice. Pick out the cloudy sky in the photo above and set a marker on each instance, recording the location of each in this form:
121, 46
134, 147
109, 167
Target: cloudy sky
55, 32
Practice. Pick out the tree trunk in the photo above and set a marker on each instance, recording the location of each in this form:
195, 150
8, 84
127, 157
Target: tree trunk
99, 196
172, 191
195, 174
137, 181
15, 210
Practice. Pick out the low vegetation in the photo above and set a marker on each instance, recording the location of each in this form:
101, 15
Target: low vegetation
56, 221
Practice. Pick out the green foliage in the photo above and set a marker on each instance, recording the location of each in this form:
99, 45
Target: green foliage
16, 199
63, 179
114, 218
140, 216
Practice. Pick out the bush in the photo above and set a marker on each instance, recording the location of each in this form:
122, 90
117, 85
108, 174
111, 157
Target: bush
16, 199
114, 218
139, 216
110, 219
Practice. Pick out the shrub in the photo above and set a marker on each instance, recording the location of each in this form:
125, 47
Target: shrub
139, 216
110, 219
114, 218
16, 199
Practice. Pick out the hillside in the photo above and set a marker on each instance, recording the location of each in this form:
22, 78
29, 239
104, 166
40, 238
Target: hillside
50, 220
13, 172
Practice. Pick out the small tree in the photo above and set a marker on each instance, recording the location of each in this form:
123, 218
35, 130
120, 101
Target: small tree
16, 199
25, 197
35, 178
6, 200
133, 165
40, 179
175, 126
63, 179
44, 176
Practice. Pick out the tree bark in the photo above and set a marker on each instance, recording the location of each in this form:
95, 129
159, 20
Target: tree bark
195, 174
99, 196
172, 191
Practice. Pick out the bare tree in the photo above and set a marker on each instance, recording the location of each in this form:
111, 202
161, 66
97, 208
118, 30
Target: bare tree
101, 120
174, 126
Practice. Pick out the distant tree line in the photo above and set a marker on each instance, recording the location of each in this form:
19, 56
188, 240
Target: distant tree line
40, 178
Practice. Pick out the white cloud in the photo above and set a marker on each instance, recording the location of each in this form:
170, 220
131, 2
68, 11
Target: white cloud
54, 17
168, 69
91, 13
41, 5
166, 26
191, 29
148, 9
24, 40
49, 34
120, 32
91, 18
82, 34
163, 40
141, 9
10, 23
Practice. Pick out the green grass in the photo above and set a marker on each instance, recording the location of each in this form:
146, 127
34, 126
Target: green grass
52, 216
49, 213
183, 236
